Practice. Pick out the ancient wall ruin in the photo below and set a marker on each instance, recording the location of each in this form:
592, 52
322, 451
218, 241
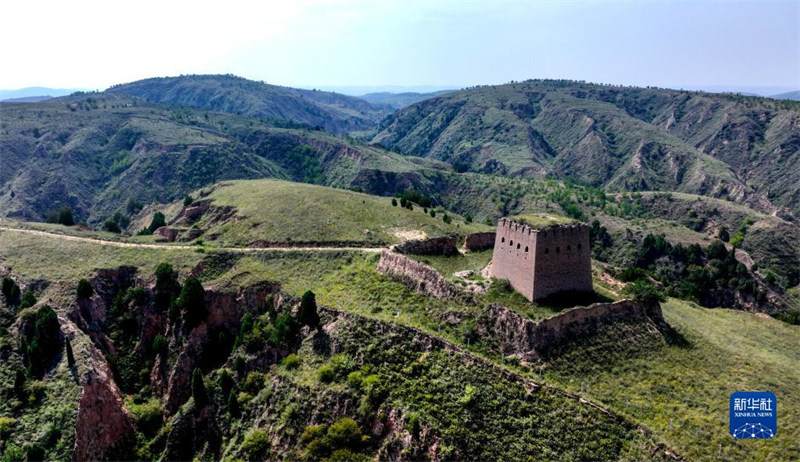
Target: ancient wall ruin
418, 276
539, 262
479, 241
445, 245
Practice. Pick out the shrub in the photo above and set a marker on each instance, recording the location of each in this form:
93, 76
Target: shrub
148, 415
188, 200
28, 300
10, 291
6, 425
354, 380
256, 445
644, 291
291, 362
285, 329
326, 373
394, 202
344, 433
160, 345
432, 213
84, 290
111, 226
724, 235
446, 218
192, 302
254, 382
158, 221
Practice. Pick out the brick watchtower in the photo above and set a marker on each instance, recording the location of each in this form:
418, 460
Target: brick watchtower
541, 261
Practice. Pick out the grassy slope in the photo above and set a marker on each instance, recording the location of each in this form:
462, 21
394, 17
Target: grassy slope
681, 392
321, 214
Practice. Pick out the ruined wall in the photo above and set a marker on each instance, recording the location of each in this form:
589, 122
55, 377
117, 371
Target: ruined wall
418, 276
532, 340
542, 262
479, 241
445, 245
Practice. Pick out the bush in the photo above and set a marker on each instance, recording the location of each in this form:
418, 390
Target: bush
326, 373
256, 445
446, 218
285, 330
158, 221
432, 213
644, 291
10, 291
188, 200
65, 216
354, 380
344, 433
724, 235
28, 300
148, 415
233, 404
291, 362
394, 202
111, 226
84, 289
254, 382
160, 345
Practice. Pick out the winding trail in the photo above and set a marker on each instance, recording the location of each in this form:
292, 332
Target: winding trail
90, 240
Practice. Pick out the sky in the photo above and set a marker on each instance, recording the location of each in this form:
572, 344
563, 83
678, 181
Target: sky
728, 45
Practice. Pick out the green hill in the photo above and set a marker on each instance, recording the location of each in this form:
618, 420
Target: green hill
244, 213
227, 93
98, 153
620, 138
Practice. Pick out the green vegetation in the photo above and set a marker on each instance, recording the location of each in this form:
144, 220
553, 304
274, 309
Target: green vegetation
43, 341
84, 290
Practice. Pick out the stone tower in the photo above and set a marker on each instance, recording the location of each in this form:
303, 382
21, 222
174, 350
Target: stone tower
542, 261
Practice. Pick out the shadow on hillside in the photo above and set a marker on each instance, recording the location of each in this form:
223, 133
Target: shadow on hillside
673, 337
570, 299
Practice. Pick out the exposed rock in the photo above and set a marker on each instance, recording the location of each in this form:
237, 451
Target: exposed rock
169, 234
445, 245
416, 275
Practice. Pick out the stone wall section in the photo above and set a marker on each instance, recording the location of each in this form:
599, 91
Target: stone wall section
417, 275
445, 245
532, 340
476, 242
542, 262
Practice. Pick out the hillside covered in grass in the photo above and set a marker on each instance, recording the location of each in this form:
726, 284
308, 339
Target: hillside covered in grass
619, 138
254, 212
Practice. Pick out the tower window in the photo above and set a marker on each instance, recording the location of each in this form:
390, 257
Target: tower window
579, 247
517, 245
526, 249
569, 247
511, 242
546, 250
502, 240
558, 249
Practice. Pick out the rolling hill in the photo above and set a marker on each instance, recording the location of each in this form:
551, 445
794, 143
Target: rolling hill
618, 138
226, 93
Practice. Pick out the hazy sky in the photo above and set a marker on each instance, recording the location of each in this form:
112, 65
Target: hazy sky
94, 44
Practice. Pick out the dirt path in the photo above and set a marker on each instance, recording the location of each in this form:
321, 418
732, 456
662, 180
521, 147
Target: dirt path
184, 247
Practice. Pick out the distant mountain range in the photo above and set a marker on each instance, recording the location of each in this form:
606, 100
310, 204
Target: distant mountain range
34, 94
792, 95
394, 101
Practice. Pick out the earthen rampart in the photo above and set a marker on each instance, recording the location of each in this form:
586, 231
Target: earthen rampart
417, 275
445, 245
476, 242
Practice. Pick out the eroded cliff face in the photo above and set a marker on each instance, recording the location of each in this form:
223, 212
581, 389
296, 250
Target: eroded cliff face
531, 341
416, 275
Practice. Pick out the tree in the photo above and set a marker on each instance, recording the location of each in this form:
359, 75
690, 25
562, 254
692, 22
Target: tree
10, 291
159, 345
308, 315
167, 286
199, 388
644, 291
111, 226
70, 356
45, 342
187, 200
394, 202
158, 221
84, 289
65, 216
192, 302
233, 404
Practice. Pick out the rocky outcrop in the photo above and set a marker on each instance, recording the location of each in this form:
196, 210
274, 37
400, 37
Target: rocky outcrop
416, 275
532, 340
167, 233
445, 245
479, 241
